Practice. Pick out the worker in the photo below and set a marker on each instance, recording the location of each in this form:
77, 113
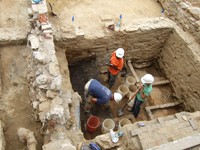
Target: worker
115, 66
96, 93
143, 93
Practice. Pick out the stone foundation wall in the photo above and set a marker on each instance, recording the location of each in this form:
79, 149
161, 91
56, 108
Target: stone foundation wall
180, 60
185, 13
161, 133
141, 39
50, 87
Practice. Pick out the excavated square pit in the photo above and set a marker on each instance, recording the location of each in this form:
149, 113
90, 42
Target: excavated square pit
161, 94
173, 57
163, 51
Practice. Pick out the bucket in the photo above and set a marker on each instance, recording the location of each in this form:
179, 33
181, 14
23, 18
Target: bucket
131, 103
131, 89
130, 80
107, 125
122, 89
123, 122
92, 123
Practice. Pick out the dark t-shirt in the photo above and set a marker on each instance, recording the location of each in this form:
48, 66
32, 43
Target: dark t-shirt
97, 90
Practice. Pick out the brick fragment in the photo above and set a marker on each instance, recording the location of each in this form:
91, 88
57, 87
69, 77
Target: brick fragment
193, 123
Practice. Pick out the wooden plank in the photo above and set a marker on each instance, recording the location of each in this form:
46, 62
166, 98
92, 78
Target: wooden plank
193, 123
149, 113
167, 105
161, 82
133, 71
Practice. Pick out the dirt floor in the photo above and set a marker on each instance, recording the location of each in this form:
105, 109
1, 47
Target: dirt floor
13, 14
87, 13
15, 104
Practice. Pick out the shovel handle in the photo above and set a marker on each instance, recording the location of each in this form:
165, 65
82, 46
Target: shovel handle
132, 96
136, 92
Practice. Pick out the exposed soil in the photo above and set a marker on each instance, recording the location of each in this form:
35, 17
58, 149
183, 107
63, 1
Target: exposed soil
13, 14
15, 104
87, 13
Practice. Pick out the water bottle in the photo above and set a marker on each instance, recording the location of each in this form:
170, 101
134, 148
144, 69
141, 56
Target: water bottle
119, 21
120, 133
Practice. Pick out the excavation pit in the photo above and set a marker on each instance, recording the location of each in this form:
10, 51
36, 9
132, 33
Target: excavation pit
157, 57
157, 49
161, 94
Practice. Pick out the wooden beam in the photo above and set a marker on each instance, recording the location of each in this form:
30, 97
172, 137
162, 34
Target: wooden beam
133, 71
161, 82
161, 106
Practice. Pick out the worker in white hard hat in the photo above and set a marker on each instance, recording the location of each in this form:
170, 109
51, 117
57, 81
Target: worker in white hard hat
115, 66
143, 94
96, 93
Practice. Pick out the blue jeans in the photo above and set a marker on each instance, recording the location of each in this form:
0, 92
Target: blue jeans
136, 107
111, 79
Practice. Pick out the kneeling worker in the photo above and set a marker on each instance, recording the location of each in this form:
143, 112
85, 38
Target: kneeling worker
97, 93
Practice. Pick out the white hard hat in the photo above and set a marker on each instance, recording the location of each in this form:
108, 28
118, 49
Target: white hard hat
120, 52
147, 78
117, 97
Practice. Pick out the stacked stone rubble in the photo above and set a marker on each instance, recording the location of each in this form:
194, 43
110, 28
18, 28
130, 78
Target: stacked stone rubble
50, 101
185, 14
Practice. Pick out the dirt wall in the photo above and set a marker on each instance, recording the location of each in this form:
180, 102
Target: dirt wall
141, 39
13, 36
180, 60
2, 140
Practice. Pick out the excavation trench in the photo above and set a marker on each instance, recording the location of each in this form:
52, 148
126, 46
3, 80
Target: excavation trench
162, 94
162, 52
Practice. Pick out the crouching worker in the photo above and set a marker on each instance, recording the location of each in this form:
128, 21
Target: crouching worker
143, 94
96, 93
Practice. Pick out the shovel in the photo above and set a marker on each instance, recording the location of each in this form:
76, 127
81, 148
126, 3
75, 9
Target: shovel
120, 111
